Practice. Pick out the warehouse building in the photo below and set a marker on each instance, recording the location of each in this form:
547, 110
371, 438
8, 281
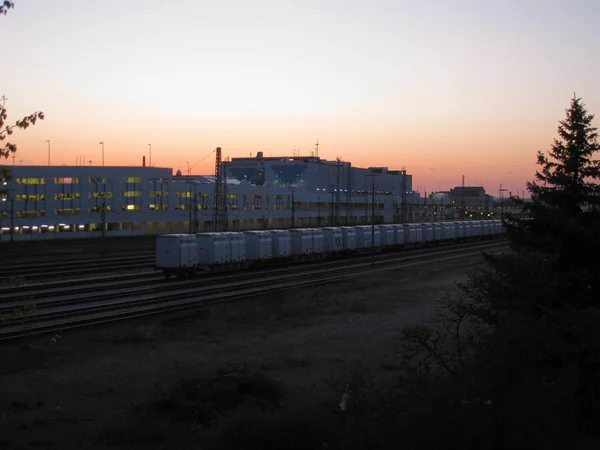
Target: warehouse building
48, 202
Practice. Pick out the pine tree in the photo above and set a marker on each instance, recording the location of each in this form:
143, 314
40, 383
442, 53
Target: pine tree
531, 317
563, 218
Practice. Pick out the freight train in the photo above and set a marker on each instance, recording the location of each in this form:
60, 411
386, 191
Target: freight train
186, 254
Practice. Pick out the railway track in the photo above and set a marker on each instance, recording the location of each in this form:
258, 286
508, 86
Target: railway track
33, 291
85, 305
77, 267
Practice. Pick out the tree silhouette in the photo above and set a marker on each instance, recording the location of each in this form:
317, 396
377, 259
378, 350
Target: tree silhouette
7, 130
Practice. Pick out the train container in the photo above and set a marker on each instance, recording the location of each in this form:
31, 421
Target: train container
448, 231
387, 235
437, 231
259, 245
213, 249
491, 227
281, 243
301, 242
318, 241
427, 230
459, 230
413, 234
367, 236
498, 227
348, 238
237, 242
333, 239
477, 228
399, 234
176, 253
468, 227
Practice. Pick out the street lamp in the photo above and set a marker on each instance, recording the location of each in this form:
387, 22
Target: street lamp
102, 144
501, 201
48, 151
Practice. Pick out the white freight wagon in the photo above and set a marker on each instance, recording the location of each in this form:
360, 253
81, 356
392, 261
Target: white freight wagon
213, 249
427, 232
237, 242
348, 238
448, 231
176, 253
387, 235
302, 241
282, 246
413, 233
259, 245
399, 238
318, 244
367, 237
334, 239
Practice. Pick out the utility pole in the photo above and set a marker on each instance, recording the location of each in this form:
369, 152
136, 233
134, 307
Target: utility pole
103, 217
462, 199
337, 193
318, 211
332, 206
373, 175
501, 202
219, 194
404, 187
12, 216
190, 227
293, 207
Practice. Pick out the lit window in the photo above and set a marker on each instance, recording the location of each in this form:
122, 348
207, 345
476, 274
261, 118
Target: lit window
30, 197
97, 209
131, 208
185, 194
33, 213
74, 180
31, 181
67, 211
67, 196
100, 195
131, 194
159, 207
99, 180
158, 194
132, 179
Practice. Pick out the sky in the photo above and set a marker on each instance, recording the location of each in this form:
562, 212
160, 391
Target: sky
444, 88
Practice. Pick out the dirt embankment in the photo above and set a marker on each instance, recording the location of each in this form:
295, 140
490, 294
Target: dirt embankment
80, 389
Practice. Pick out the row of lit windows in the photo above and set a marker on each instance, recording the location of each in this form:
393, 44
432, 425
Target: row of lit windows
187, 207
92, 180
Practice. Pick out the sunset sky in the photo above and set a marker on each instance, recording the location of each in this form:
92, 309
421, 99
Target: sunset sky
445, 88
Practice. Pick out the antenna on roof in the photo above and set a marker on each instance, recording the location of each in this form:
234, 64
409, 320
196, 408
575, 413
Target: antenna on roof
317, 148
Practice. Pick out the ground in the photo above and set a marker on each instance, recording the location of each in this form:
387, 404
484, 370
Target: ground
83, 388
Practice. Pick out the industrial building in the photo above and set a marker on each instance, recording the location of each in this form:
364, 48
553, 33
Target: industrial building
47, 202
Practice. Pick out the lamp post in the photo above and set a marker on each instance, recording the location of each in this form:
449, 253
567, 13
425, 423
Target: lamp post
48, 151
293, 207
102, 144
373, 175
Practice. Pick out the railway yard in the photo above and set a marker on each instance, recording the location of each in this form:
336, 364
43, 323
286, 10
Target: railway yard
64, 381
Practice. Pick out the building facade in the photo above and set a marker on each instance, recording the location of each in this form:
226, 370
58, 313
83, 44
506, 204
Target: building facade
49, 202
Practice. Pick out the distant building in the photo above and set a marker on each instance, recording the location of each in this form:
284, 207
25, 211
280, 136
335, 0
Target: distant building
471, 197
313, 174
